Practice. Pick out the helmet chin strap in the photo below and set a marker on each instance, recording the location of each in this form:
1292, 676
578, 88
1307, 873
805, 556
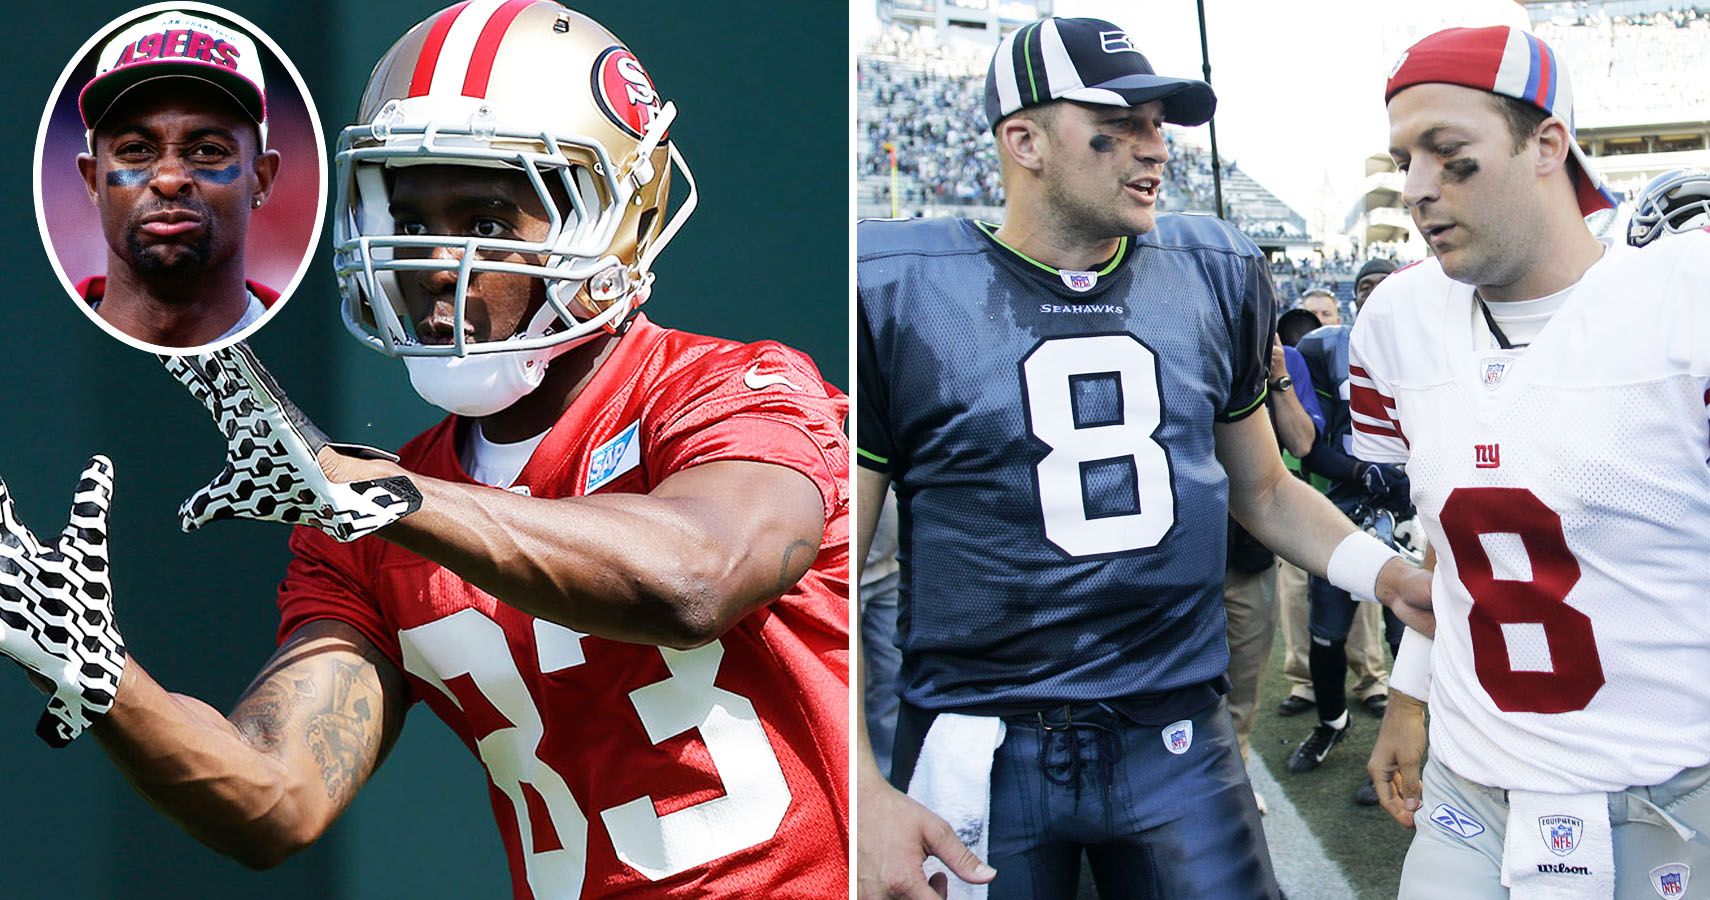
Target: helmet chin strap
543, 320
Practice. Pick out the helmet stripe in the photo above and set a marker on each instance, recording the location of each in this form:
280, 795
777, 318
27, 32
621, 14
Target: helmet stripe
487, 47
422, 78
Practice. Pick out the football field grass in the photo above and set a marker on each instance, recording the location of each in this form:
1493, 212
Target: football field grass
1363, 841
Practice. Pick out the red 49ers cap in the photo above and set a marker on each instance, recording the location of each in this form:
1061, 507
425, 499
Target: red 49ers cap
177, 45
1509, 62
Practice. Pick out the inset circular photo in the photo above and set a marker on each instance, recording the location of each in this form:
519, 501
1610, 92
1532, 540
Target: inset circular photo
180, 177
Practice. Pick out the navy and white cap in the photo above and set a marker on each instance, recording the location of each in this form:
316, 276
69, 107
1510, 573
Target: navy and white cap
1088, 61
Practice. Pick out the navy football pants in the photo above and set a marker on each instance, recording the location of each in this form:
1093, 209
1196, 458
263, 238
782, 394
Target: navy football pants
1154, 825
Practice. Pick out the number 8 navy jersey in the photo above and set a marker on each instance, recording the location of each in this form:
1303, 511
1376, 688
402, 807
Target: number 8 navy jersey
1049, 433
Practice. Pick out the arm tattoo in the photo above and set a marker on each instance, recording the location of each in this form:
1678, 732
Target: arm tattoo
266, 708
339, 732
785, 582
341, 719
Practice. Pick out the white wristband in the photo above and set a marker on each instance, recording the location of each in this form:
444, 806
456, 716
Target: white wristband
1411, 673
1355, 564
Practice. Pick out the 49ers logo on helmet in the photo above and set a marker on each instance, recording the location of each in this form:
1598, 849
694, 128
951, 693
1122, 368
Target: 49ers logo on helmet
625, 92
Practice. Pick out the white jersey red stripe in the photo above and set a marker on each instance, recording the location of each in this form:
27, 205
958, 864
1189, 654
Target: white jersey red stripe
1370, 409
1566, 490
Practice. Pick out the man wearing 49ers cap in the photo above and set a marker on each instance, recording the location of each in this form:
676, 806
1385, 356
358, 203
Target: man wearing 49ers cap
618, 570
1548, 393
177, 161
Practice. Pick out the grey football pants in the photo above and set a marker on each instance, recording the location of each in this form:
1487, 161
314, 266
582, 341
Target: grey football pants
1443, 865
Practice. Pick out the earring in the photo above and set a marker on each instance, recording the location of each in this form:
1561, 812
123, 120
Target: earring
257, 202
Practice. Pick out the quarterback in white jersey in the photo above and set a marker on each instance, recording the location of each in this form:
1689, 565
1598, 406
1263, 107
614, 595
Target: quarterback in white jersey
1565, 488
1548, 394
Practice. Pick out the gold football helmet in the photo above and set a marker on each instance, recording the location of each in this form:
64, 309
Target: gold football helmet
525, 85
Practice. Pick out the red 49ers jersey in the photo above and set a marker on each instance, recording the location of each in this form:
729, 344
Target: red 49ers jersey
1566, 490
628, 770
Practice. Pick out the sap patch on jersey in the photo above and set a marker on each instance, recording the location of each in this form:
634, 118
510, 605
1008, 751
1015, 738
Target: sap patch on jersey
613, 458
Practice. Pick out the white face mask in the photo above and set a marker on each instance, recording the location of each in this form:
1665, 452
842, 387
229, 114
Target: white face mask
480, 384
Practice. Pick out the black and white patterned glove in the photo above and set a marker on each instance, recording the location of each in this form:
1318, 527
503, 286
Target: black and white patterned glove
271, 473
56, 607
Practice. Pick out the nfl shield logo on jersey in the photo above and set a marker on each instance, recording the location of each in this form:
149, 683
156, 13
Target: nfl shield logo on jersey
1493, 370
1670, 881
1078, 281
1178, 736
1561, 833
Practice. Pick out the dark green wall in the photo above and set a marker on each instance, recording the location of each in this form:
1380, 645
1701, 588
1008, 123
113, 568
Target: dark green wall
762, 93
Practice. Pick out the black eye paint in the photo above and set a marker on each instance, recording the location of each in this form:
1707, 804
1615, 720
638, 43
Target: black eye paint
226, 175
1102, 143
1461, 169
127, 177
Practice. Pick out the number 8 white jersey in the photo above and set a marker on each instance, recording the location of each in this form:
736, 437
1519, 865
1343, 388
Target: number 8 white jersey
1566, 489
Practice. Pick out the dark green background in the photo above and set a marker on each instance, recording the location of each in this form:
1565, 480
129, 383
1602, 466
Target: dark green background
762, 92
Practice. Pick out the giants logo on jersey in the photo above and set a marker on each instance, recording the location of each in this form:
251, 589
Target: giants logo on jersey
625, 92
1487, 456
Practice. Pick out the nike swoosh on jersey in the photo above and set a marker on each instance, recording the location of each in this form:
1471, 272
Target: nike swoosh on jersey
755, 381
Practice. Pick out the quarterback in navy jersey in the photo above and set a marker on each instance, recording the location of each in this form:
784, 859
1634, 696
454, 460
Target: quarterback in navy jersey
1063, 403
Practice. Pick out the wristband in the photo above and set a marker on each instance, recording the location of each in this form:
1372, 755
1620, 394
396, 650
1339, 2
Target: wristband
1355, 564
1411, 674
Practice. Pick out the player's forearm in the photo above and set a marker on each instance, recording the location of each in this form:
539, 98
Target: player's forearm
196, 767
1293, 520
631, 567
1331, 463
1294, 426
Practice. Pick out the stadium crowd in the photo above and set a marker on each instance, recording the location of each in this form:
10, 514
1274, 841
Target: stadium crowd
1633, 65
925, 101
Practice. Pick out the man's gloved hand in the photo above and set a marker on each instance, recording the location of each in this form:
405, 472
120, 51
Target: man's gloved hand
271, 472
1383, 481
56, 607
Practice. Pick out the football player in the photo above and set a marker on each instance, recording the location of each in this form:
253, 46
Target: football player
1548, 394
178, 161
618, 572
1353, 483
1064, 403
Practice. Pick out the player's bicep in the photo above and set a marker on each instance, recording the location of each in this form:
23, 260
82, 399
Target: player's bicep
1248, 451
328, 705
1372, 408
762, 522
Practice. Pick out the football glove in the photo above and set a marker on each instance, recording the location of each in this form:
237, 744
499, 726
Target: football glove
271, 473
1383, 481
56, 607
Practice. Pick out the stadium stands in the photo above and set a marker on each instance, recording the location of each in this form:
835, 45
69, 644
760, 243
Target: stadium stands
927, 101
